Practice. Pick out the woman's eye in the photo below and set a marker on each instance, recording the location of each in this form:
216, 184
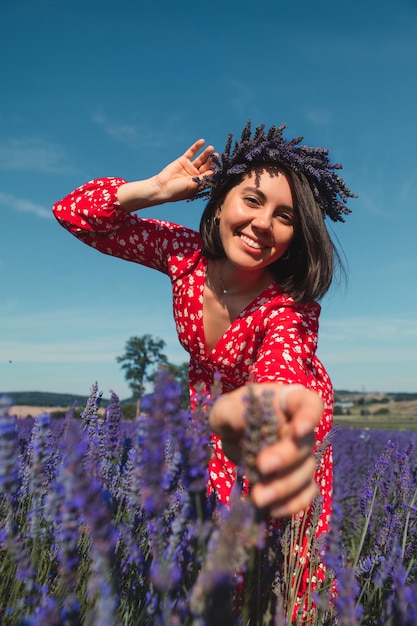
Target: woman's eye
252, 200
285, 218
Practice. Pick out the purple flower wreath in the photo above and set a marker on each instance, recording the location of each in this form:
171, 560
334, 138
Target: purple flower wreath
270, 148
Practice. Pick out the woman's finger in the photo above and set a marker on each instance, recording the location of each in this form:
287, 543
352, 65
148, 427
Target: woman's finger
299, 502
287, 488
284, 454
302, 407
193, 149
203, 161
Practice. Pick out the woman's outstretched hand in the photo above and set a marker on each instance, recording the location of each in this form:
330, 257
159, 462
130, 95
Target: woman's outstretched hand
287, 467
174, 182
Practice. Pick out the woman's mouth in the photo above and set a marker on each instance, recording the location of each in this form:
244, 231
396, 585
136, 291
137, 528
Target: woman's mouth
255, 245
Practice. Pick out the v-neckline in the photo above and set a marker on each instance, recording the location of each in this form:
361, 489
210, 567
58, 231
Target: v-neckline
205, 350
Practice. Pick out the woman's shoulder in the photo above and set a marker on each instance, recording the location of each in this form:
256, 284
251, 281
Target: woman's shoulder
177, 230
181, 246
277, 297
279, 305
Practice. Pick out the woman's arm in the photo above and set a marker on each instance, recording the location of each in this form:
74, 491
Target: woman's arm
174, 182
93, 215
102, 205
287, 468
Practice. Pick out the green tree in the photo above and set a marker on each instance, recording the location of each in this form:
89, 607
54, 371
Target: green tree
140, 360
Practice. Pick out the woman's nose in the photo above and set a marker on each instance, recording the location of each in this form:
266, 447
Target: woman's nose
262, 220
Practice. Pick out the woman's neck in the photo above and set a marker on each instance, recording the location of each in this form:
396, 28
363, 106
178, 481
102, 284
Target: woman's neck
227, 280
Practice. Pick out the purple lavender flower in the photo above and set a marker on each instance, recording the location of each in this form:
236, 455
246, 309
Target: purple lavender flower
159, 428
9, 451
393, 508
113, 417
132, 554
384, 540
227, 554
40, 469
262, 429
151, 464
153, 437
47, 613
93, 426
105, 449
401, 607
132, 479
90, 413
194, 443
347, 610
389, 562
41, 454
194, 453
375, 478
83, 501
101, 590
18, 554
63, 506
92, 500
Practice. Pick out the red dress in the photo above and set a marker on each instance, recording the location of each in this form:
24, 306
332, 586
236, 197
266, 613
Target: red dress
273, 339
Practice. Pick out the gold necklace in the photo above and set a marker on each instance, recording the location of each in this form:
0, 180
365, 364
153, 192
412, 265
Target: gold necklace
224, 290
215, 281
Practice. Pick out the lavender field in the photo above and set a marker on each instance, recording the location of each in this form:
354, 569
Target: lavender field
106, 522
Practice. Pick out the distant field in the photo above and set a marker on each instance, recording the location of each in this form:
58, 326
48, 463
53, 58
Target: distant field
402, 416
389, 422
33, 411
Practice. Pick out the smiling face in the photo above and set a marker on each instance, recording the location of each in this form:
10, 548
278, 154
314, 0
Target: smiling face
257, 219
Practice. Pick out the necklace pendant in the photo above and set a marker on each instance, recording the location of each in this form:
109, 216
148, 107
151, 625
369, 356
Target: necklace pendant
224, 291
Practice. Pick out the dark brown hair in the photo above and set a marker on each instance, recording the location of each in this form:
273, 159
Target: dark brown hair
308, 271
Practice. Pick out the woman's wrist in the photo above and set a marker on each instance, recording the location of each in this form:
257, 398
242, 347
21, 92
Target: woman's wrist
139, 194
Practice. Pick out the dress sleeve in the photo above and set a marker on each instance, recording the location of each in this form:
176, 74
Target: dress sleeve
93, 214
92, 208
288, 345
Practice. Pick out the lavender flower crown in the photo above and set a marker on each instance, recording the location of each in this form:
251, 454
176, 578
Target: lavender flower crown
329, 190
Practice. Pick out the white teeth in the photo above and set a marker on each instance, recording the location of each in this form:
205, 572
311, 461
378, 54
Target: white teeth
251, 242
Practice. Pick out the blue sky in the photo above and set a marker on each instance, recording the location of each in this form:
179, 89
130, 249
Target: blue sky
94, 89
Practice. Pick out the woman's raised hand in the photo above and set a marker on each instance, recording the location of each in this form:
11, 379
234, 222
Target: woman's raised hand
176, 179
174, 182
287, 467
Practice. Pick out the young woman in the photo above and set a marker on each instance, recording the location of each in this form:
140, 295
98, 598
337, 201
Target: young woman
244, 290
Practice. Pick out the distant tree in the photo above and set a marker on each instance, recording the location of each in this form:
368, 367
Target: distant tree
382, 411
129, 411
140, 360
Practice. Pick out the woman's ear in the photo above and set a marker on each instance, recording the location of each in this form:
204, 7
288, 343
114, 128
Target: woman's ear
218, 211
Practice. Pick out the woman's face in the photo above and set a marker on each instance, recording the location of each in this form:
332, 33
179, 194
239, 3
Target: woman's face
257, 219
